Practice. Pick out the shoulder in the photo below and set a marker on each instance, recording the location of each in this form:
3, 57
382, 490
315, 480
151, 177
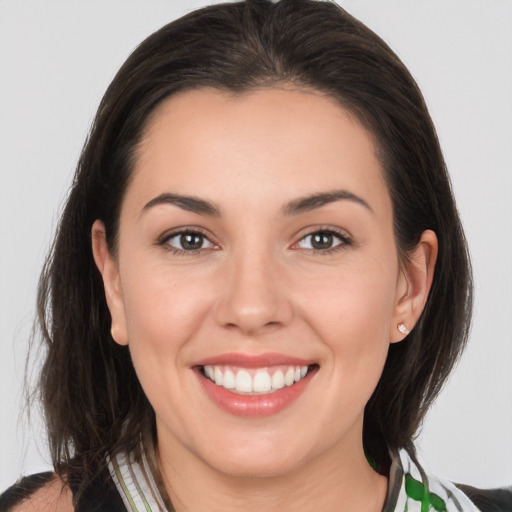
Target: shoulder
46, 492
43, 492
489, 500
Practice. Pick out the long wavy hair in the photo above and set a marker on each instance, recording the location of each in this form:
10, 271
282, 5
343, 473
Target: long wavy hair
92, 399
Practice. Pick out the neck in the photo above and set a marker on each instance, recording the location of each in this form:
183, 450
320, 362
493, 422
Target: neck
334, 482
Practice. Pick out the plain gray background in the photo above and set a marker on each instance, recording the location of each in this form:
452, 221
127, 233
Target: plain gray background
56, 59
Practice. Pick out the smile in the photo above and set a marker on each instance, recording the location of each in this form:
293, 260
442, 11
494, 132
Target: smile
254, 386
254, 381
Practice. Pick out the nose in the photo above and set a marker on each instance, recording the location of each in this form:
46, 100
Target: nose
254, 298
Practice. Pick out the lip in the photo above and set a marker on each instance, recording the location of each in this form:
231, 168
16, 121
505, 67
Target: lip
254, 361
254, 406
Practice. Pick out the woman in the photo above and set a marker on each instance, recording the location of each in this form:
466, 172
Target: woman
251, 236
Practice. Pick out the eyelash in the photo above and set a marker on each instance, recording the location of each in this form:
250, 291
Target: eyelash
345, 241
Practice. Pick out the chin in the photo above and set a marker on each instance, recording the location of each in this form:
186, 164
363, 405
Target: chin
260, 455
258, 467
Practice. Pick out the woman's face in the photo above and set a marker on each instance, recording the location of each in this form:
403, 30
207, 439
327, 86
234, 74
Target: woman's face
257, 282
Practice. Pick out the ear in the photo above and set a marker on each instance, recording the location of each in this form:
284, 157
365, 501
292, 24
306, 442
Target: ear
414, 284
111, 281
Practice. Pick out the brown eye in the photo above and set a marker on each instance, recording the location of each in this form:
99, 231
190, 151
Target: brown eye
189, 241
322, 241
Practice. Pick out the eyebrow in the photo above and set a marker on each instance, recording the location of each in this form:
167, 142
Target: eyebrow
189, 203
295, 207
312, 202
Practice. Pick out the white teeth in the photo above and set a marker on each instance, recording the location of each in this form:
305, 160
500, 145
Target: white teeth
243, 382
289, 377
262, 382
229, 379
257, 381
278, 380
217, 373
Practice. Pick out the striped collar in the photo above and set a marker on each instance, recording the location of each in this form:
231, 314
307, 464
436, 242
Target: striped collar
410, 489
135, 483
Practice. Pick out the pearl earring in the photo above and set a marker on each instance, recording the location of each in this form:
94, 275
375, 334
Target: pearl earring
402, 329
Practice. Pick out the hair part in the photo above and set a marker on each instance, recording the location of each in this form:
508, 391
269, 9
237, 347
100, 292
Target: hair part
92, 399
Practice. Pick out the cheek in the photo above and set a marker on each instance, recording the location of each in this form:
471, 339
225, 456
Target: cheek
352, 302
163, 312
163, 315
351, 310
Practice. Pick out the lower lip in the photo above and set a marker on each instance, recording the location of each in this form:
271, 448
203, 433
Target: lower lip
254, 405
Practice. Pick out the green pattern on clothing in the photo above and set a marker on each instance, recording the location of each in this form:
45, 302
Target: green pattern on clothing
370, 460
421, 492
418, 491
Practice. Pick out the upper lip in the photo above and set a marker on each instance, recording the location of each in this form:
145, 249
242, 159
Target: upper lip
254, 361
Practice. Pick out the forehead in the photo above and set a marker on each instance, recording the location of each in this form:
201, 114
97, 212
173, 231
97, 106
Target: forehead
265, 141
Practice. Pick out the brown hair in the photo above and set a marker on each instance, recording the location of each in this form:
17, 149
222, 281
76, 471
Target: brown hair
92, 399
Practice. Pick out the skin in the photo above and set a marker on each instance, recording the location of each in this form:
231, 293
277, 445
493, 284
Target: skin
257, 286
54, 496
